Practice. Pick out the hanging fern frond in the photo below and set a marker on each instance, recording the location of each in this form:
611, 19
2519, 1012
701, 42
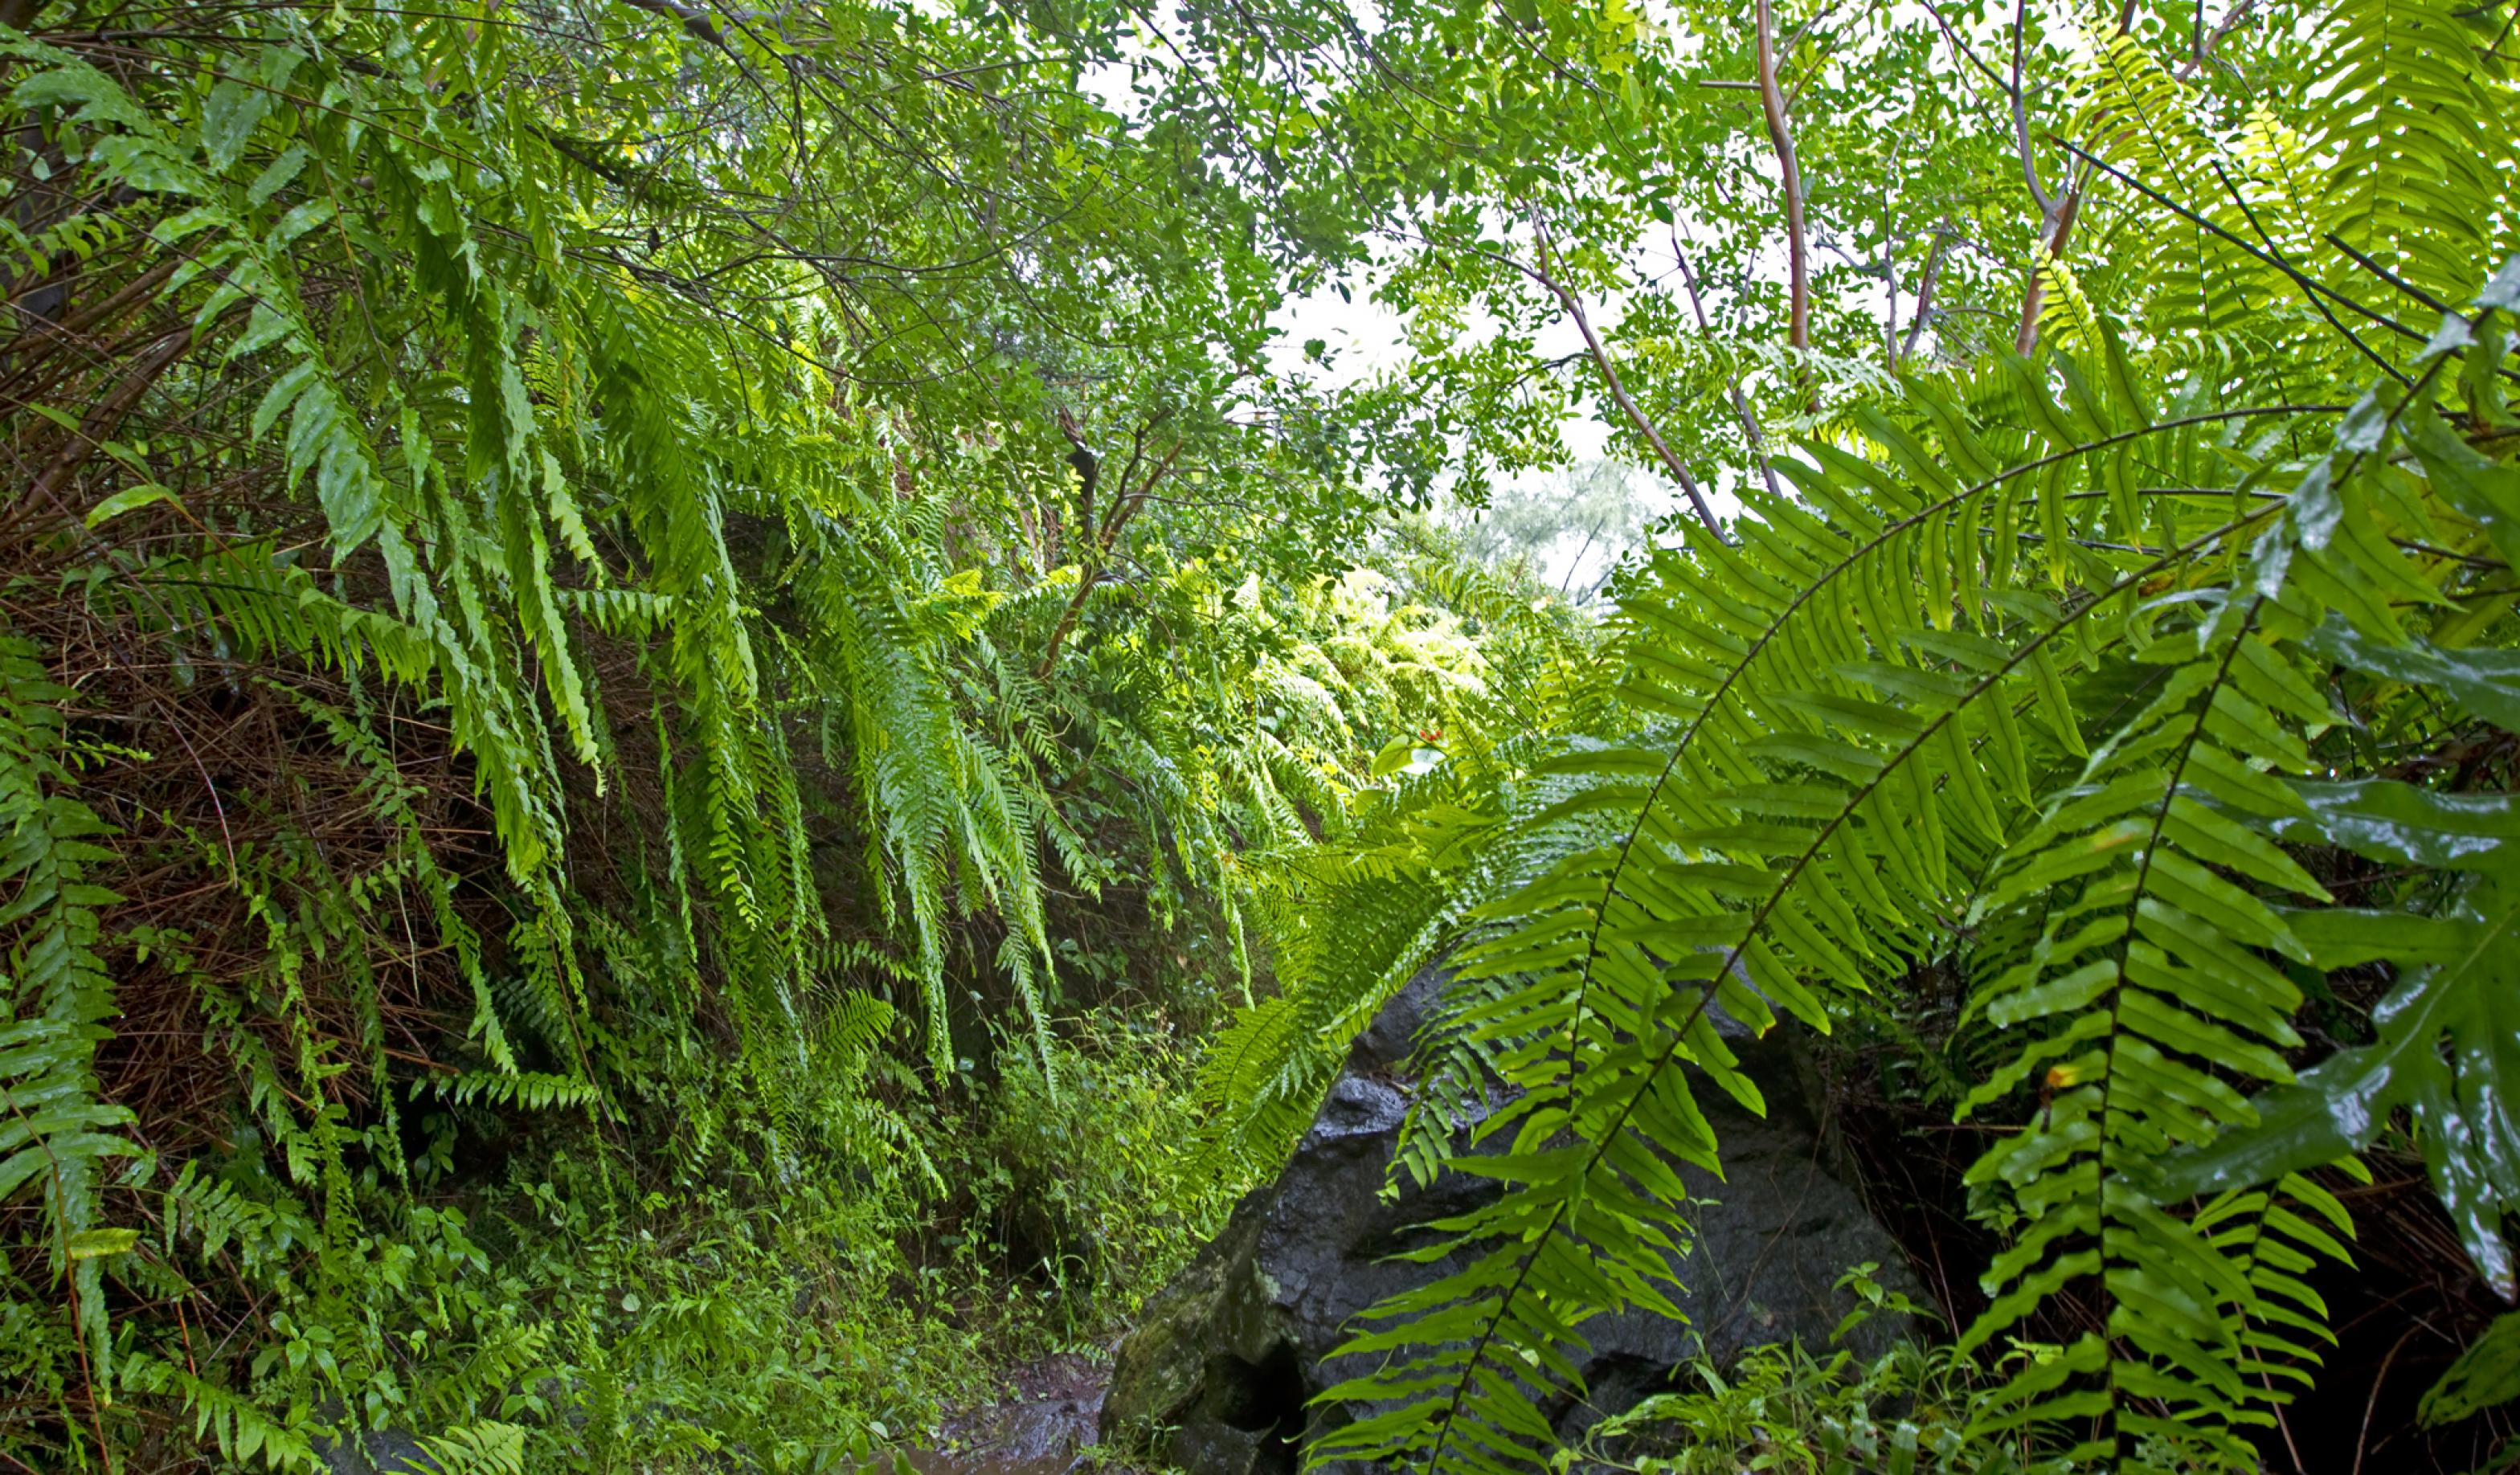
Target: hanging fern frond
2144, 996
2150, 999
1350, 929
1745, 862
58, 1139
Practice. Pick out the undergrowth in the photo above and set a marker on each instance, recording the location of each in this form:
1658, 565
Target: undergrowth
1085, 1197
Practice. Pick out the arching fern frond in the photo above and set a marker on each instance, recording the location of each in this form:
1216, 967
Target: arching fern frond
1844, 695
2416, 125
2155, 994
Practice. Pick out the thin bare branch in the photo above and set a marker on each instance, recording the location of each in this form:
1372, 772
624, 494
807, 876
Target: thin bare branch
1771, 104
1545, 274
1750, 430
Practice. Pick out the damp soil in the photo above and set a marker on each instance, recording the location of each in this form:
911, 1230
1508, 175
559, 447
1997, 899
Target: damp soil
1043, 1414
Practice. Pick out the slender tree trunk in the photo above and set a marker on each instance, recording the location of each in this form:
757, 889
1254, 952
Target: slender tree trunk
2052, 237
1771, 103
2057, 217
1924, 296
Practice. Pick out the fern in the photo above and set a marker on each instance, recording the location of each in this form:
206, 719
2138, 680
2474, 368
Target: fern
2418, 129
1350, 928
1779, 840
58, 1138
2445, 1032
1419, 846
532, 1091
453, 485
690, 662
488, 1448
1706, 882
2142, 982
234, 1426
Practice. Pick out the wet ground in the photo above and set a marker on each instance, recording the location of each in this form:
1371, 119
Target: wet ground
1043, 1414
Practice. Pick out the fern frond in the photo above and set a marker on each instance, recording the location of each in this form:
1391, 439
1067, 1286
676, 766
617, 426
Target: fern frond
56, 1136
1839, 730
2416, 128
2150, 1005
232, 1425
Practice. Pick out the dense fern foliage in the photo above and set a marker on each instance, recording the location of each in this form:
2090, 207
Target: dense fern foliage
2109, 677
654, 656
593, 599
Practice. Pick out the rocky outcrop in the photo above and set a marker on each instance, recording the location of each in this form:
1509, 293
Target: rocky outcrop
381, 1451
1220, 1373
1043, 1412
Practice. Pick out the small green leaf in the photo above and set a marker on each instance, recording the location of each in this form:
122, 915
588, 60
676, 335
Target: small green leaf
2403, 824
228, 119
2447, 1035
95, 1244
2485, 1375
276, 176
2485, 683
130, 499
2053, 704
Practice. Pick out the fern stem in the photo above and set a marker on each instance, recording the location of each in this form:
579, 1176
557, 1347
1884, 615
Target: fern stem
2117, 989
2306, 284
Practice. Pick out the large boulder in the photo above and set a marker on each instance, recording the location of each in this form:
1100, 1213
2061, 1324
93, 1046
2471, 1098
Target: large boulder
1220, 1373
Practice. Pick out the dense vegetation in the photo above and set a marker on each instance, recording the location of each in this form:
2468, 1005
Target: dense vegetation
700, 722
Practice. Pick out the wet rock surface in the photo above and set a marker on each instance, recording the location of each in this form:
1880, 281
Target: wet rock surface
1219, 1373
1044, 1416
383, 1452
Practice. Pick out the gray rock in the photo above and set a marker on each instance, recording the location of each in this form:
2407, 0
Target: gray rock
379, 1452
1046, 1412
1386, 1044
1218, 1374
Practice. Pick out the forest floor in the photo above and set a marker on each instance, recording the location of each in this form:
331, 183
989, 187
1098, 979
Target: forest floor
1045, 1413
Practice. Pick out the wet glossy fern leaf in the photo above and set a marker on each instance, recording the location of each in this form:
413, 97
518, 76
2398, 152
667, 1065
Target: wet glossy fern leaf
1867, 742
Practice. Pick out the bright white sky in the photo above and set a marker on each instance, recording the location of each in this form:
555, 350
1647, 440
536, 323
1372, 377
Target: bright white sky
1365, 342
1365, 338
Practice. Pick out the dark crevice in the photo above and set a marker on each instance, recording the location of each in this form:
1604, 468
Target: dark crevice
1264, 1398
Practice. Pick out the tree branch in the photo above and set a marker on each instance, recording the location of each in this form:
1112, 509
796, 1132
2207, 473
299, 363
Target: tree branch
2057, 217
1924, 293
692, 18
1771, 103
1099, 543
1574, 306
2021, 111
1750, 430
